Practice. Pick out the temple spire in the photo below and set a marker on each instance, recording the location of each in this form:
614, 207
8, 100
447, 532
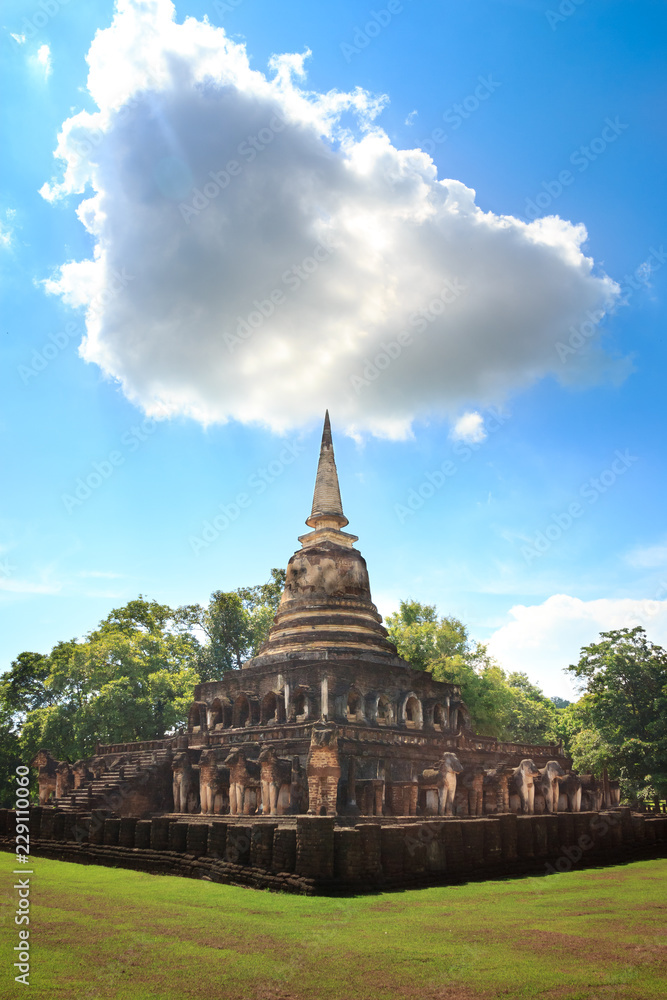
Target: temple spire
327, 509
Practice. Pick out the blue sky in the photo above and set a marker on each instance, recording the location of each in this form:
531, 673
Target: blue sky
506, 464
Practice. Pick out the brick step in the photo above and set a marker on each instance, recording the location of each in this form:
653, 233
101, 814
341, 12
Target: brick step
110, 782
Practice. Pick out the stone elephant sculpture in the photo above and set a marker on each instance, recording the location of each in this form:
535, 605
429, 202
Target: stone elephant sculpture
522, 787
244, 782
81, 773
298, 802
548, 785
592, 793
444, 774
570, 793
213, 782
184, 784
64, 779
98, 767
275, 774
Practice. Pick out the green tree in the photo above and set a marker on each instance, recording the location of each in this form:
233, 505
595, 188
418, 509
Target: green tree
624, 677
507, 707
23, 688
484, 687
422, 638
132, 678
590, 752
235, 624
10, 755
532, 716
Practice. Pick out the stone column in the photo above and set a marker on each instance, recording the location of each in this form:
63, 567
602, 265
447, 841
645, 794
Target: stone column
315, 847
352, 786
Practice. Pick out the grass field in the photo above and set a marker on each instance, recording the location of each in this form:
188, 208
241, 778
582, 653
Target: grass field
109, 934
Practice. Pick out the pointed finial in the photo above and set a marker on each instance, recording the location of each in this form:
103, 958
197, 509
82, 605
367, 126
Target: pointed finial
326, 431
327, 507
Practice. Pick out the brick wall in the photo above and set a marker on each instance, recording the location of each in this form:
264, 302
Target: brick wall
311, 854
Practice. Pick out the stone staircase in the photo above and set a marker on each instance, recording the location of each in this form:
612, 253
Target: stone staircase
121, 773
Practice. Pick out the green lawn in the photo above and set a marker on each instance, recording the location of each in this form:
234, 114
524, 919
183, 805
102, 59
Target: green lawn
109, 934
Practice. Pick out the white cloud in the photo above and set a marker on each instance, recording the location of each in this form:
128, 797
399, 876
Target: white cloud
469, 427
543, 639
7, 228
182, 311
13, 586
44, 59
648, 556
19, 39
410, 120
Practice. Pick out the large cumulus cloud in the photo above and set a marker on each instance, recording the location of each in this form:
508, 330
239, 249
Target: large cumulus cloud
261, 250
542, 639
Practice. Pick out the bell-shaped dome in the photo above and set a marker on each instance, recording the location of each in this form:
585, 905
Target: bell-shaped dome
326, 607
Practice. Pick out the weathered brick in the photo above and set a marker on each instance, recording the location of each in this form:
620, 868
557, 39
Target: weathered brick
160, 833
472, 831
111, 831
197, 839
142, 834
524, 836
284, 850
237, 849
347, 855
261, 845
508, 836
540, 836
315, 846
392, 849
217, 840
493, 843
178, 837
371, 849
127, 829
457, 860
59, 821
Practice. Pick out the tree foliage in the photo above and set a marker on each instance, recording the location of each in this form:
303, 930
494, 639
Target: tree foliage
131, 678
10, 757
421, 637
624, 677
235, 624
507, 706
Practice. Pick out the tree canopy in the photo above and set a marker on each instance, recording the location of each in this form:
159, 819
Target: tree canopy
234, 624
624, 709
131, 678
504, 705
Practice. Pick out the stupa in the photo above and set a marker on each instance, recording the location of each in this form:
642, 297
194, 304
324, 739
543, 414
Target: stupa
327, 718
326, 763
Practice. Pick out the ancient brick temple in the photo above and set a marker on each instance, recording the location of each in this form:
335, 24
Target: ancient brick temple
326, 720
